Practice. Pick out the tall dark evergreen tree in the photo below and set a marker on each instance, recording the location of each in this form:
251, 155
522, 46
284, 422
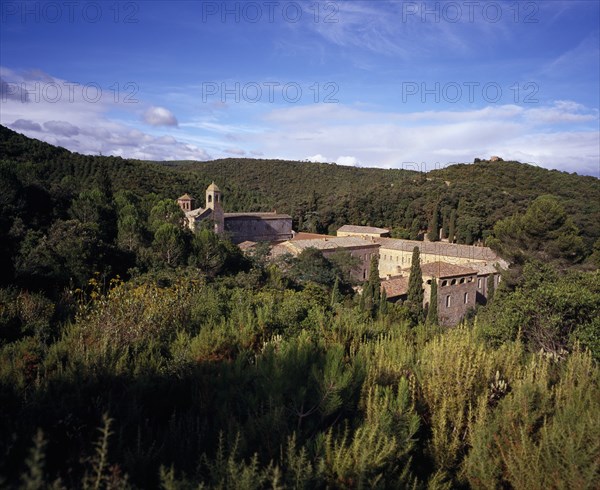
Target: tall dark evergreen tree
374, 279
415, 287
434, 226
432, 311
415, 229
490, 287
452, 226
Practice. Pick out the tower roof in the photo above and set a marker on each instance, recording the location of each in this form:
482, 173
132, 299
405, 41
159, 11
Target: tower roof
213, 187
186, 197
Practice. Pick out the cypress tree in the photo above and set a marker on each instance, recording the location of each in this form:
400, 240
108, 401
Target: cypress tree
374, 280
415, 229
452, 226
336, 295
383, 304
432, 312
415, 287
490, 288
434, 227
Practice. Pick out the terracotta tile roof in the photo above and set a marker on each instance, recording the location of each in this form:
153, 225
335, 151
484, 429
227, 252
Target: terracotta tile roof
363, 229
438, 248
443, 269
396, 286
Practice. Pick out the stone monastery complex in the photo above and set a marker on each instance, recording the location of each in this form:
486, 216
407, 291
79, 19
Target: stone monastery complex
462, 272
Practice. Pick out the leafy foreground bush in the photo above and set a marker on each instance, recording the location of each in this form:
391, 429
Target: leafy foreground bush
218, 386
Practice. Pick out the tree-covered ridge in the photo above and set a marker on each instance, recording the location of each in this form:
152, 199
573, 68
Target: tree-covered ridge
465, 199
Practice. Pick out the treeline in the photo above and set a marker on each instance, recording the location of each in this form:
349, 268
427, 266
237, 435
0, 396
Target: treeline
463, 200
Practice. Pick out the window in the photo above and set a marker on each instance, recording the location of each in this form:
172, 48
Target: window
448, 301
462, 280
453, 282
466, 298
444, 283
479, 283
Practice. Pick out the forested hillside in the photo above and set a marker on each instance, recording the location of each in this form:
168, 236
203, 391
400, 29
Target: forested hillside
137, 354
322, 197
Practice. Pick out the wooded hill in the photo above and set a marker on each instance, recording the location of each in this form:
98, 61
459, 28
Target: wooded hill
321, 197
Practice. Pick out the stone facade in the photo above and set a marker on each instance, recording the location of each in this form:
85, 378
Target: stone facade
457, 290
258, 227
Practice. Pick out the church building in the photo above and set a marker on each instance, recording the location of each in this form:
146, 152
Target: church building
240, 227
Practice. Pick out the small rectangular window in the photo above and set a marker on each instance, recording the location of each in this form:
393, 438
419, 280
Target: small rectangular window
448, 301
466, 298
479, 283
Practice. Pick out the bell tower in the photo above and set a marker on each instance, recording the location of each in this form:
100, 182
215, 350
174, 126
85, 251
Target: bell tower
214, 201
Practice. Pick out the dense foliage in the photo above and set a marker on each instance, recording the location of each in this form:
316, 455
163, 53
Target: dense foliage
134, 353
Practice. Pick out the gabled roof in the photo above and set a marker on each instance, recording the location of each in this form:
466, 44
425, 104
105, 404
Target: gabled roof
331, 243
186, 197
443, 269
213, 187
395, 287
363, 229
199, 213
439, 248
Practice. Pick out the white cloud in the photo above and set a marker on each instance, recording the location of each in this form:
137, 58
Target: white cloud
431, 139
160, 116
350, 161
318, 159
63, 114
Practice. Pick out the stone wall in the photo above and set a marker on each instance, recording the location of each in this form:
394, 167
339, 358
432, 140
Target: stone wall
257, 229
454, 298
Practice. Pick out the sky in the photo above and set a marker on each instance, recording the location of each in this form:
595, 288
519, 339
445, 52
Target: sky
375, 83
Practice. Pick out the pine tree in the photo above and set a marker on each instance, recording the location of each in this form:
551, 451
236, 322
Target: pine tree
452, 226
432, 312
415, 287
434, 227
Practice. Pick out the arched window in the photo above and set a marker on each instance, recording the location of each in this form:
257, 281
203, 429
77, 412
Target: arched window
444, 283
462, 280
453, 282
209, 198
466, 298
448, 301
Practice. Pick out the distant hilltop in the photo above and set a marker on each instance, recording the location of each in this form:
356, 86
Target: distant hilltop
493, 158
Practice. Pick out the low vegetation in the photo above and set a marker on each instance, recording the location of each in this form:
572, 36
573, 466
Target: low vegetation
135, 354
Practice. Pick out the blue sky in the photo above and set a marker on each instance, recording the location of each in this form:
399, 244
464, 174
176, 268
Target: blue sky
402, 84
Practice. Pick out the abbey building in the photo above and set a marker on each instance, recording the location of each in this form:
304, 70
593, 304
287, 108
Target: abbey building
239, 227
